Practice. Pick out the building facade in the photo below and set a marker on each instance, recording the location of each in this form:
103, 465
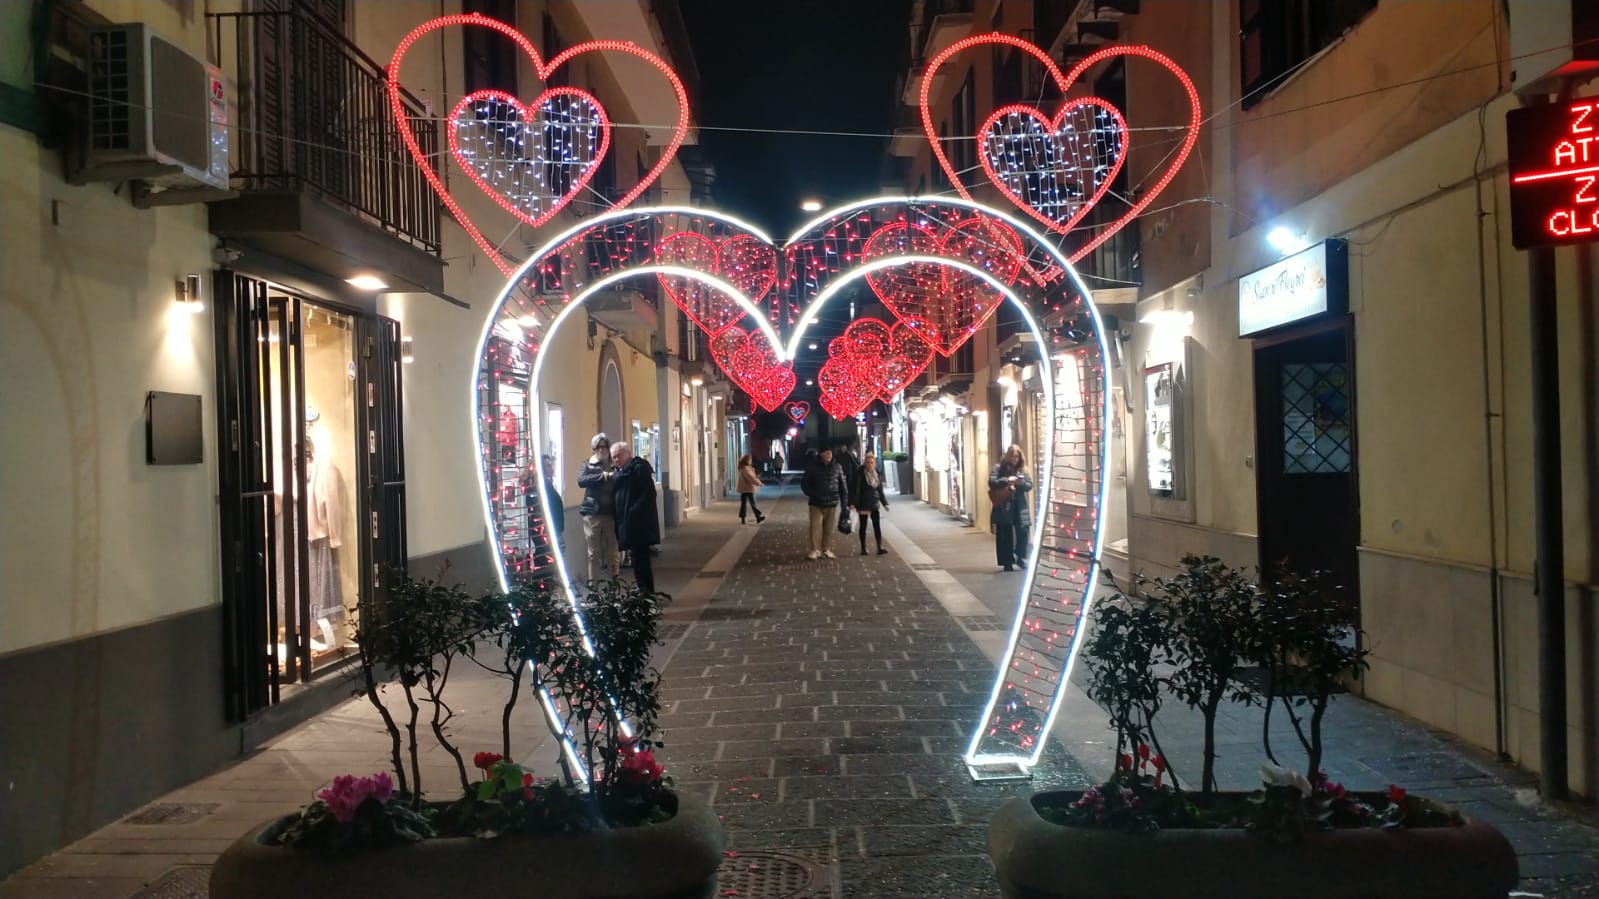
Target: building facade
210, 496
1378, 424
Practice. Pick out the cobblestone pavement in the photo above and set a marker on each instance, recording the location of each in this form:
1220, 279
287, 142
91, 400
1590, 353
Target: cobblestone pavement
821, 708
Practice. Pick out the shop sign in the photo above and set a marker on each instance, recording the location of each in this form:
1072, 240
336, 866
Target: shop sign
1554, 174
1309, 283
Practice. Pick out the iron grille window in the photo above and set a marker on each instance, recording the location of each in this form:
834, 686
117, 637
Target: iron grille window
490, 56
1315, 407
1277, 35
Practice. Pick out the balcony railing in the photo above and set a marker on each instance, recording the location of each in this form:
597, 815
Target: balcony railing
314, 113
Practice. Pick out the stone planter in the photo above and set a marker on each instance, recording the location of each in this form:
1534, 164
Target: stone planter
673, 860
1034, 859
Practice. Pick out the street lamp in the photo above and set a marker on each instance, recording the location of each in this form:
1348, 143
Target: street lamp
810, 204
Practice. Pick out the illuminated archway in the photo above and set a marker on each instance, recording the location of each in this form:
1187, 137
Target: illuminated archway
823, 257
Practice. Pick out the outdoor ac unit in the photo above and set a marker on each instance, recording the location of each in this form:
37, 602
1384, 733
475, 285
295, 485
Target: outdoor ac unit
156, 115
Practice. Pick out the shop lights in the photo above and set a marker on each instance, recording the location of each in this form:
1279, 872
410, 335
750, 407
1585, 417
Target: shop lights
407, 351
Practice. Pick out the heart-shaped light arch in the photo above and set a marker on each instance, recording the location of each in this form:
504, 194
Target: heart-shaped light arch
1010, 736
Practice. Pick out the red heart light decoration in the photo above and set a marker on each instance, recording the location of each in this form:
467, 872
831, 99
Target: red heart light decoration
542, 69
741, 260
1055, 170
798, 410
1065, 82
843, 395
751, 363
883, 359
951, 304
521, 155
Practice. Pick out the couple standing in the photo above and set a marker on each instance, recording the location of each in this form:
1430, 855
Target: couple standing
827, 486
619, 511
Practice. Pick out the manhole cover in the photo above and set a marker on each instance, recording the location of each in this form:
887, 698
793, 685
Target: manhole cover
979, 622
775, 874
710, 574
171, 813
185, 882
925, 566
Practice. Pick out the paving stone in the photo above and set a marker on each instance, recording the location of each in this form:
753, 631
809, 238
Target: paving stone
764, 815
806, 765
911, 839
754, 789
791, 729
902, 763
877, 745
918, 877
882, 812
750, 749
870, 786
913, 728
859, 713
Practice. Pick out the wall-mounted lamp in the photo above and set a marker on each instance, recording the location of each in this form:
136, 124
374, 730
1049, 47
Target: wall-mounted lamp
1286, 241
190, 291
697, 381
1160, 317
407, 355
366, 281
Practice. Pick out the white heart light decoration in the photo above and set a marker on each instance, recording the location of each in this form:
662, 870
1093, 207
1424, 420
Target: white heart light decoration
1064, 547
535, 160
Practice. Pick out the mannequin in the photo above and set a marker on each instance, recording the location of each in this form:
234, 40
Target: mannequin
324, 537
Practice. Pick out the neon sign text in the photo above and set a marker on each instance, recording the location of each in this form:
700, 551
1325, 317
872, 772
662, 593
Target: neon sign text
1554, 168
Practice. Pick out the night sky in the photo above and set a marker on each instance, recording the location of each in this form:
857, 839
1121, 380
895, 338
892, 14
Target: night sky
814, 65
807, 65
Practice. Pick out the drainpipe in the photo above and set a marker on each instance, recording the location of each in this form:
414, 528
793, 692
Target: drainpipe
1550, 563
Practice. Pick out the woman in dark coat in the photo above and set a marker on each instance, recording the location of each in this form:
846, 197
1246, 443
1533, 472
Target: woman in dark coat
637, 523
1012, 518
866, 496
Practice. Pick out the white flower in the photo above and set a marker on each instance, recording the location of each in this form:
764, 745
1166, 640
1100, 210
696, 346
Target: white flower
1274, 776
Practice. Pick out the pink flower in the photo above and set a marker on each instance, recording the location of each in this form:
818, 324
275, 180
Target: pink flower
345, 796
382, 786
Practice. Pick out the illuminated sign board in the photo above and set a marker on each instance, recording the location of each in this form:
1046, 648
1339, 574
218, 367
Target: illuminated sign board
1554, 174
1309, 283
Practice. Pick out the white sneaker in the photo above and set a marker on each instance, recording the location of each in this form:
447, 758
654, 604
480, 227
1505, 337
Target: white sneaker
813, 554
829, 554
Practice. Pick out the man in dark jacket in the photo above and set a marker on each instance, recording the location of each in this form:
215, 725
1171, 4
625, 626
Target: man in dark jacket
825, 487
637, 523
597, 478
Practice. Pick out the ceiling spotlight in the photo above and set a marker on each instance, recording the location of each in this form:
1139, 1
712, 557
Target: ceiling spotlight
366, 282
809, 383
813, 345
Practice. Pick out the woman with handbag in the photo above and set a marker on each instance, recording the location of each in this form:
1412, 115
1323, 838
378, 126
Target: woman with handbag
866, 496
1009, 490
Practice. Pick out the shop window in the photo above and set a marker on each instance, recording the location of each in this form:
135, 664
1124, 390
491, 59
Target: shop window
1277, 35
1316, 434
490, 56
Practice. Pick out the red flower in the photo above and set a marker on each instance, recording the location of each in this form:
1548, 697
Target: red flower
1396, 794
1159, 762
486, 760
641, 768
527, 786
1125, 763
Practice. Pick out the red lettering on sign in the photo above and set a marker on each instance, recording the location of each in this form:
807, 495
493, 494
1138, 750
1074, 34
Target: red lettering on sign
1571, 222
1585, 193
1582, 112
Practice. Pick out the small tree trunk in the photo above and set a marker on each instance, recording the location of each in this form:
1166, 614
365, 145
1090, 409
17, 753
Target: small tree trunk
1149, 725
410, 727
441, 715
389, 724
1208, 780
505, 717
1314, 749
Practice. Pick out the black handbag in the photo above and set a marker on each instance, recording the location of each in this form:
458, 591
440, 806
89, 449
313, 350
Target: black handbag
843, 519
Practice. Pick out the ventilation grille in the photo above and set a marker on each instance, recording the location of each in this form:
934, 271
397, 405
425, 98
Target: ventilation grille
111, 87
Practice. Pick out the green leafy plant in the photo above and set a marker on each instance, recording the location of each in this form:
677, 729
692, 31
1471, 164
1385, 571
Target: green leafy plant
1121, 655
1211, 613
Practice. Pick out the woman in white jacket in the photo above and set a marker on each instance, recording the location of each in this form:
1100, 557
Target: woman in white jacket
748, 483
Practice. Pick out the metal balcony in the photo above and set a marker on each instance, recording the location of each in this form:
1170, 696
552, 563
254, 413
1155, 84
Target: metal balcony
324, 178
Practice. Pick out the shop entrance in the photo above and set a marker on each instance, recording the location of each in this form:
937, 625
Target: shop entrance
1305, 459
312, 485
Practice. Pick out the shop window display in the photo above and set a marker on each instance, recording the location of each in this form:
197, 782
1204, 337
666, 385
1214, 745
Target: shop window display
314, 464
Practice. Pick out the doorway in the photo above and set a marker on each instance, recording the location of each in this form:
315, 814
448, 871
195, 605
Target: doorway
309, 400
1305, 460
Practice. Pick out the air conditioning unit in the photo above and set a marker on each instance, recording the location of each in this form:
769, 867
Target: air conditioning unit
156, 115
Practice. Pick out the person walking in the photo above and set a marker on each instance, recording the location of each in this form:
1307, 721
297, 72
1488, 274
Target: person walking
598, 480
748, 483
637, 520
824, 486
1009, 490
867, 497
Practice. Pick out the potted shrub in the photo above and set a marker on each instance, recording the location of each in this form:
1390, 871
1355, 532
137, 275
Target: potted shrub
610, 827
1140, 835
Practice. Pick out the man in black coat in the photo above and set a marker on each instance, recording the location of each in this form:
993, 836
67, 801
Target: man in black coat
825, 488
637, 522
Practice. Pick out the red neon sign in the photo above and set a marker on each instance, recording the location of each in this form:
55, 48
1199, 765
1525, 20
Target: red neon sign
1554, 174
